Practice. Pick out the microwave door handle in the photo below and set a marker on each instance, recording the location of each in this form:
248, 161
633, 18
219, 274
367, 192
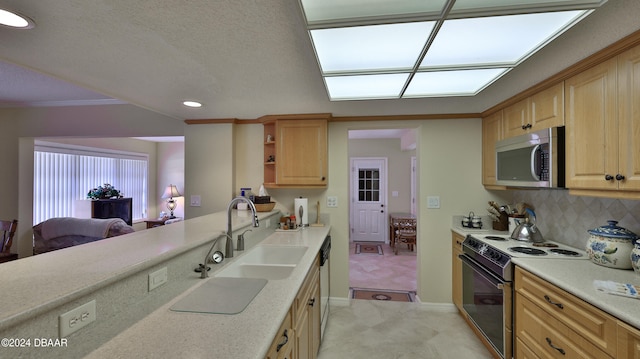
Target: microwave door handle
535, 158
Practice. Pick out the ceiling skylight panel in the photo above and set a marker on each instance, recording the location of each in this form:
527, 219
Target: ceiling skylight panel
365, 86
521, 6
370, 48
331, 10
452, 83
495, 40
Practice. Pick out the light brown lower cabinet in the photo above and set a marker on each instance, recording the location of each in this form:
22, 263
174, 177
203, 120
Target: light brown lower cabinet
628, 341
282, 346
299, 334
456, 270
552, 323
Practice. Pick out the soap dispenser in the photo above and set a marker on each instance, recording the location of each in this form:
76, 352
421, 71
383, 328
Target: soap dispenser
241, 240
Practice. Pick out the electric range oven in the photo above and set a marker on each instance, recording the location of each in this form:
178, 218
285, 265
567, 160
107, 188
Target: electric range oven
487, 283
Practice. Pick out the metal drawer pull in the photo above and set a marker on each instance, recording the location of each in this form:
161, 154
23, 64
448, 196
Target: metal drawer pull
560, 350
283, 342
559, 305
311, 302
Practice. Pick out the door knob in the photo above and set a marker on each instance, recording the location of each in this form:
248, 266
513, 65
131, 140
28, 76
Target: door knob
608, 177
619, 177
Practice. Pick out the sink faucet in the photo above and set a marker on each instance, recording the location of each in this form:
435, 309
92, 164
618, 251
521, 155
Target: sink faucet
228, 250
204, 270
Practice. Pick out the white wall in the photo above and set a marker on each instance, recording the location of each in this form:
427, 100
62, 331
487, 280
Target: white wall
19, 127
210, 167
170, 165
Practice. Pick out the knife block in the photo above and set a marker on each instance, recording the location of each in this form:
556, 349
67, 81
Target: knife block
502, 224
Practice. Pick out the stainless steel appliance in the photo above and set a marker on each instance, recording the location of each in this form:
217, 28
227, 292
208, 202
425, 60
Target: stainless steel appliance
487, 276
535, 159
325, 252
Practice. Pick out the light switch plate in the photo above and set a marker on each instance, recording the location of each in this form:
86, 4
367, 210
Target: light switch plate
433, 202
332, 201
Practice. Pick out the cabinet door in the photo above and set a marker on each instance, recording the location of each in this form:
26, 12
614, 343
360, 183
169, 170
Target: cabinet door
314, 322
628, 341
547, 108
591, 128
629, 119
303, 336
456, 271
515, 117
302, 152
491, 133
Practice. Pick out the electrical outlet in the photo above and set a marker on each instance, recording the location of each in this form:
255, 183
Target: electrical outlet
332, 201
76, 319
157, 278
195, 200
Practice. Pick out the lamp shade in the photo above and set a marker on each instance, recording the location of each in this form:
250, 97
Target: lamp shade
171, 191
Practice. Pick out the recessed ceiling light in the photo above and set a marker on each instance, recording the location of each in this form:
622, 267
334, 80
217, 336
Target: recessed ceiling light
193, 104
15, 20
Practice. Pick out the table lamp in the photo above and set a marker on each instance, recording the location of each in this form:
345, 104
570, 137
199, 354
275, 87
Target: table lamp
170, 192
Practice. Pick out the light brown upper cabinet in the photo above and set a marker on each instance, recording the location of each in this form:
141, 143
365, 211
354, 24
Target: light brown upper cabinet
603, 119
544, 109
491, 133
295, 151
629, 119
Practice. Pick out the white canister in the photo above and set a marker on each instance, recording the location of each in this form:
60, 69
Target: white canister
611, 246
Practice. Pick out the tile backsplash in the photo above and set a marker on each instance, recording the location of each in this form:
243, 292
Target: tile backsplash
565, 218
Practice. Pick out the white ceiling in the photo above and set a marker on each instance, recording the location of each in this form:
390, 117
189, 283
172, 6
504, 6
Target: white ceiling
241, 58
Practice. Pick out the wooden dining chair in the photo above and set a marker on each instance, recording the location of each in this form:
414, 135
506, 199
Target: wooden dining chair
8, 230
406, 233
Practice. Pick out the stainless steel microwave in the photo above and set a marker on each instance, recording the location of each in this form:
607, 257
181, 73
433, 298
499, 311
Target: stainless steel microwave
535, 159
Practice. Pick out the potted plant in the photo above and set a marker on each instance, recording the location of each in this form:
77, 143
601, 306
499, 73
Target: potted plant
104, 192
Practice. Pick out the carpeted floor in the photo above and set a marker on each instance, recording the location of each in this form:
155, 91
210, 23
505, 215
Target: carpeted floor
362, 248
382, 294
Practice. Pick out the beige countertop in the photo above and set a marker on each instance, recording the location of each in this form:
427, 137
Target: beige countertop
249, 334
37, 284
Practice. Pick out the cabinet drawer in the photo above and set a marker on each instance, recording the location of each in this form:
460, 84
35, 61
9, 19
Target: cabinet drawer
547, 336
589, 322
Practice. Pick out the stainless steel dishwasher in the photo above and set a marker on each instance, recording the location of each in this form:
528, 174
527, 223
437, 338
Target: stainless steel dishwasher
325, 250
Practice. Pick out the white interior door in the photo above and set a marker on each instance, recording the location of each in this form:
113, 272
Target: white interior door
368, 213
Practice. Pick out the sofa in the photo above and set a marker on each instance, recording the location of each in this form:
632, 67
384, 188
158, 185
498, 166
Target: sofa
63, 232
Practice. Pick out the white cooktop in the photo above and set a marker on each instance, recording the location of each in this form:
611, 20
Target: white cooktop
506, 243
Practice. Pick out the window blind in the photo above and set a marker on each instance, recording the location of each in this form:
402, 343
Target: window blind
64, 174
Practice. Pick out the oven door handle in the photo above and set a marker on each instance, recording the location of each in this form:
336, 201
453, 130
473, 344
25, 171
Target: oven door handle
496, 281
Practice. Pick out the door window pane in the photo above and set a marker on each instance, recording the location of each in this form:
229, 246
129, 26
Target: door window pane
369, 185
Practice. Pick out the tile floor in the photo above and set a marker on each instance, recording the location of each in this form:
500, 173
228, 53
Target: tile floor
370, 329
387, 271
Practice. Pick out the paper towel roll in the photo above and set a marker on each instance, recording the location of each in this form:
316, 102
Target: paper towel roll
298, 204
